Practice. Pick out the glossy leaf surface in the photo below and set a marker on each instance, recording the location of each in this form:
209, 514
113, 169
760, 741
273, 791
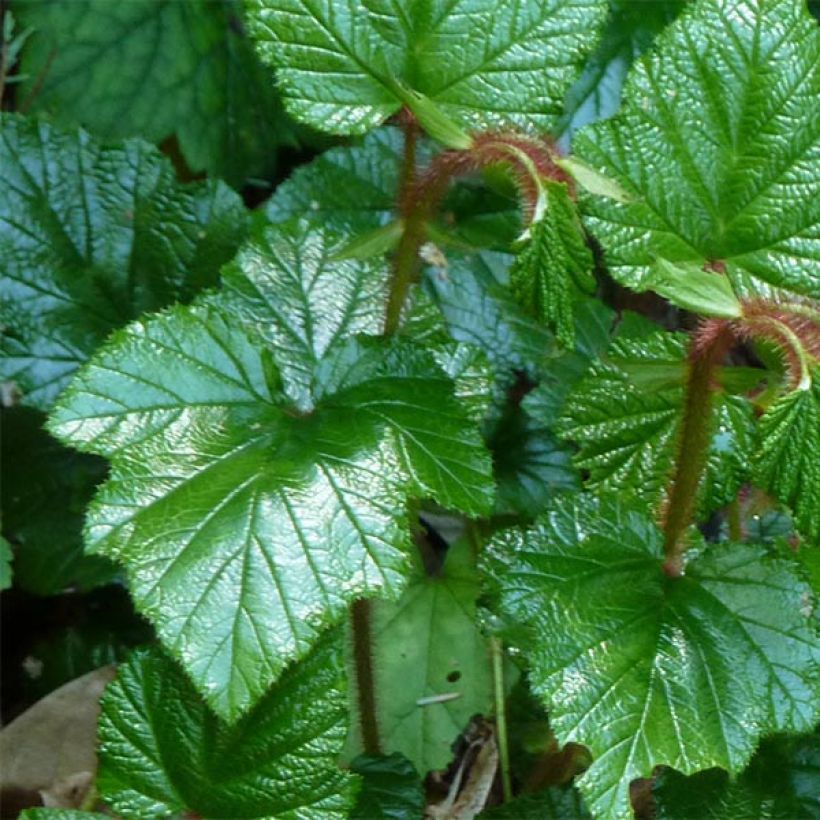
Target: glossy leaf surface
625, 431
249, 505
478, 308
644, 669
719, 146
302, 301
90, 237
163, 752
157, 69
346, 67
351, 187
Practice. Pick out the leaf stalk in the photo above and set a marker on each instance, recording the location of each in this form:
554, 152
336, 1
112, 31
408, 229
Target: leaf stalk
693, 443
501, 717
361, 618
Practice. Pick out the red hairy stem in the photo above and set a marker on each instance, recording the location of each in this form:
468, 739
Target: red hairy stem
420, 194
708, 351
406, 261
361, 622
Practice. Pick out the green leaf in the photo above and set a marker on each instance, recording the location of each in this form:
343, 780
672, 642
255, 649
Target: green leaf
786, 461
644, 669
591, 180
630, 29
6, 557
391, 789
91, 237
719, 148
156, 69
555, 265
345, 69
377, 242
270, 521
248, 520
45, 488
782, 782
548, 804
689, 287
163, 752
427, 645
625, 414
433, 120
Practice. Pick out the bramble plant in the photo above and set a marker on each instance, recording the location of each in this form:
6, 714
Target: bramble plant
395, 463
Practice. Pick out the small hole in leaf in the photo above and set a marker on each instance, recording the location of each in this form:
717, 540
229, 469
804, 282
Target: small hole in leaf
453, 676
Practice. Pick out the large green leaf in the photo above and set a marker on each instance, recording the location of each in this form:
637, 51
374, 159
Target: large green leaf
719, 146
786, 462
156, 68
645, 669
163, 752
427, 645
251, 504
782, 783
44, 489
91, 237
630, 29
345, 67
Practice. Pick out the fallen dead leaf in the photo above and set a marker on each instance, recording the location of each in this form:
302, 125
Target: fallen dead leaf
50, 750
